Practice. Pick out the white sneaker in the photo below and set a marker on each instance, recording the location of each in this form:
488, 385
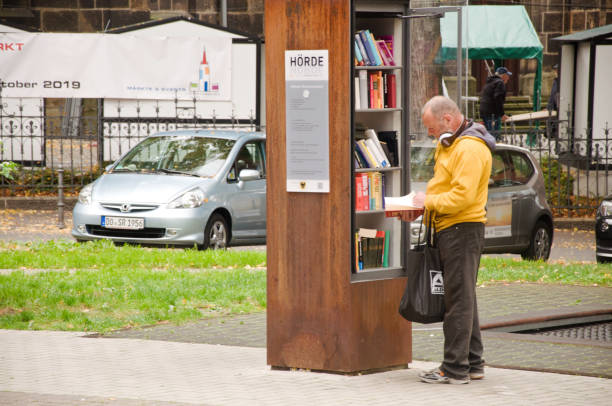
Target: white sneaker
437, 376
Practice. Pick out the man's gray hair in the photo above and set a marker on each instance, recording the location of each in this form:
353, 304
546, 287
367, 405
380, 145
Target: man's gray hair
440, 105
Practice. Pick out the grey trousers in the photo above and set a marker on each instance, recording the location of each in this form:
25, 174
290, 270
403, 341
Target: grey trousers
460, 249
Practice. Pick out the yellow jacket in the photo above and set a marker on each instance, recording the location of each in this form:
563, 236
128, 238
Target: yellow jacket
458, 191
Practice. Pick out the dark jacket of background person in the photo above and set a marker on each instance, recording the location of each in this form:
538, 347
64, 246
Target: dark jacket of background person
553, 100
492, 97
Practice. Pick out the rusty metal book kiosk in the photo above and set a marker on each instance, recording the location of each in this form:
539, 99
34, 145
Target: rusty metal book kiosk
321, 315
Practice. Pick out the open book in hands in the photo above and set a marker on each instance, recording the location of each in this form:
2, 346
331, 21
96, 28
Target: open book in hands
403, 207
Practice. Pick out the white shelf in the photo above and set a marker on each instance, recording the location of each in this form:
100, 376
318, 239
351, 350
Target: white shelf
383, 119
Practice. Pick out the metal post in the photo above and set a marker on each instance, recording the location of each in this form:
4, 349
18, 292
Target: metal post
60, 198
224, 13
459, 58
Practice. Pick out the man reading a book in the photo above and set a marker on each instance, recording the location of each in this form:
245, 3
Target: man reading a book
456, 197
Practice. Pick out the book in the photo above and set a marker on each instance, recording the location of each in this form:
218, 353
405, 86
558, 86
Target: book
385, 91
359, 163
380, 154
392, 91
366, 154
371, 200
384, 190
373, 90
361, 192
402, 202
358, 254
358, 56
369, 156
366, 238
386, 249
380, 247
385, 53
395, 205
380, 94
385, 148
363, 162
390, 139
356, 93
364, 36
374, 48
383, 56
372, 248
381, 162
363, 89
388, 42
362, 50
377, 56
376, 191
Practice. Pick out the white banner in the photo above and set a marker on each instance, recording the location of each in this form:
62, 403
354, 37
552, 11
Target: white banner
114, 66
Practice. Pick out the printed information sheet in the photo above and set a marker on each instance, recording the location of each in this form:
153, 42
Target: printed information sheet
307, 125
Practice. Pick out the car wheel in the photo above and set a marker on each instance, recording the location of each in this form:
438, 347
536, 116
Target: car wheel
603, 260
216, 232
540, 243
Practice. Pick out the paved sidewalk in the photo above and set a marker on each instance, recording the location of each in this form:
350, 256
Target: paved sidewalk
498, 303
66, 368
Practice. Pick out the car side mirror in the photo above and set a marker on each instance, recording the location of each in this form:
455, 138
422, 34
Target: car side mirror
491, 182
249, 174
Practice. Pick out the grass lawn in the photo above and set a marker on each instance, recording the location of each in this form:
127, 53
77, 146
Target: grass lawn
99, 287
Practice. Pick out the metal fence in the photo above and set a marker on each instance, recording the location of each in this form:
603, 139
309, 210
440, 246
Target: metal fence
576, 162
80, 137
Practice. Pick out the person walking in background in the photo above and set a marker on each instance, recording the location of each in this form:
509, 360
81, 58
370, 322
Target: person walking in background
492, 100
553, 105
456, 197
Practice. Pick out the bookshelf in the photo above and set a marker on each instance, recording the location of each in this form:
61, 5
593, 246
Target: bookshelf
388, 117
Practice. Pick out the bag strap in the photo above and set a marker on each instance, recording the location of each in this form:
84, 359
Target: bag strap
431, 230
420, 228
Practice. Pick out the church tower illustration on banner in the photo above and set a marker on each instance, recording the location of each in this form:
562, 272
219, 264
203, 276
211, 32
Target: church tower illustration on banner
204, 74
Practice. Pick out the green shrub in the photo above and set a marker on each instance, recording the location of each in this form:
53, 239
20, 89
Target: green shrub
559, 183
32, 181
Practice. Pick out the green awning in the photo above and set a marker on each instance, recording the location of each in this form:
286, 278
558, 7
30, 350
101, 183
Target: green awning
494, 32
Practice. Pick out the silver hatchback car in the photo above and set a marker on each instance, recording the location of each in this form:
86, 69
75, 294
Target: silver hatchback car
519, 220
192, 187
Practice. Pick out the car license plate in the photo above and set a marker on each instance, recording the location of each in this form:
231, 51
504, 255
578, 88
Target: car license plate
126, 223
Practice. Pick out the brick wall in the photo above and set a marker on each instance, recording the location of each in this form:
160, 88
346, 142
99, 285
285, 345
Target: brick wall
553, 18
96, 15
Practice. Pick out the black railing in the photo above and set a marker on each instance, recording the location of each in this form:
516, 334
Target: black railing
576, 162
81, 137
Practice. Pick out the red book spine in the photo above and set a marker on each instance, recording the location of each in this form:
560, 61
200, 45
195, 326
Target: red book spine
392, 88
373, 85
361, 192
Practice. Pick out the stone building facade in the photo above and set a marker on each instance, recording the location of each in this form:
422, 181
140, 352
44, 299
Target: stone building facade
98, 15
551, 18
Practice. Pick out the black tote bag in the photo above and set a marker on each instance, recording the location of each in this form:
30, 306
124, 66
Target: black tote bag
423, 298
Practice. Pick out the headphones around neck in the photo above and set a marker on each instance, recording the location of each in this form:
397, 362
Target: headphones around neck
447, 139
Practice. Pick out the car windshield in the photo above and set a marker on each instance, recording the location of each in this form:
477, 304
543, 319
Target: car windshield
188, 155
421, 162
